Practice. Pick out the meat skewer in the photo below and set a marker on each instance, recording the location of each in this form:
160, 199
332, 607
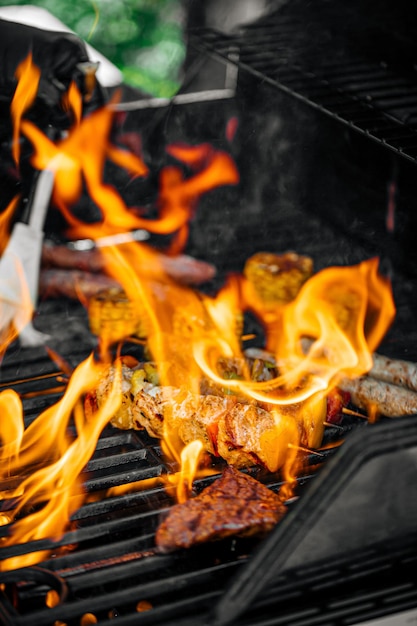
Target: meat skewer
73, 284
395, 371
183, 268
241, 434
390, 387
387, 399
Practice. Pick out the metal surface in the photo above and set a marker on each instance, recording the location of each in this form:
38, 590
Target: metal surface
20, 263
323, 56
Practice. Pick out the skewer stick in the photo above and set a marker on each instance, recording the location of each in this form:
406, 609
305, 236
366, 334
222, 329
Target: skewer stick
302, 449
355, 413
336, 426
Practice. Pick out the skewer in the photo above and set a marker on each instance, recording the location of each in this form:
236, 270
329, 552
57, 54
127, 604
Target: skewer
336, 426
22, 381
386, 398
308, 450
354, 413
60, 361
248, 337
43, 392
390, 387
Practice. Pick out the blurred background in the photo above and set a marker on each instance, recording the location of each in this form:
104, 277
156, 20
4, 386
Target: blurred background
143, 38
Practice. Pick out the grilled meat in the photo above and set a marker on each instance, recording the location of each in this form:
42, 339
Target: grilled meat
381, 397
185, 269
234, 504
123, 418
243, 434
394, 371
227, 428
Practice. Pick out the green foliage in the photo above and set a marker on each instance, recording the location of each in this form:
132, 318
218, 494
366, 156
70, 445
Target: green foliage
143, 38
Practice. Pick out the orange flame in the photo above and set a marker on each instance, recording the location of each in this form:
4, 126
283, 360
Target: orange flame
12, 427
341, 314
189, 465
72, 102
40, 458
329, 330
81, 156
28, 76
5, 221
346, 311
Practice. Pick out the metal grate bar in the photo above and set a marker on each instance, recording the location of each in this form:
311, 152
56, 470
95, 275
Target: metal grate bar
279, 50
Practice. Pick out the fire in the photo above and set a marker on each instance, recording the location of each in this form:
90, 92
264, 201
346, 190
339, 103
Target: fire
44, 459
47, 461
28, 76
327, 331
5, 222
12, 427
183, 480
73, 103
80, 158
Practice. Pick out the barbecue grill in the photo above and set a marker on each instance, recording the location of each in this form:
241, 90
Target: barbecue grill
107, 566
327, 562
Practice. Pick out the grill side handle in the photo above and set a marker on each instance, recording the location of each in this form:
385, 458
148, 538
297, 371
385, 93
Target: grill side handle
360, 498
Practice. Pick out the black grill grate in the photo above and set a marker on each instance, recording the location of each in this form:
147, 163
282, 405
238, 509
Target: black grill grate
108, 560
107, 563
326, 57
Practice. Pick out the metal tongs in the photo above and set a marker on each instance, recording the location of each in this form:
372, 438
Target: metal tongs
20, 264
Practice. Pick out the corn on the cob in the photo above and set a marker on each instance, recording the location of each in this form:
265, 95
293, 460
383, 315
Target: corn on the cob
277, 278
112, 315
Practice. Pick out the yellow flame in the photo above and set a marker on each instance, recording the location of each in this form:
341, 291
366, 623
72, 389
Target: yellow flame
28, 76
190, 455
46, 497
342, 313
